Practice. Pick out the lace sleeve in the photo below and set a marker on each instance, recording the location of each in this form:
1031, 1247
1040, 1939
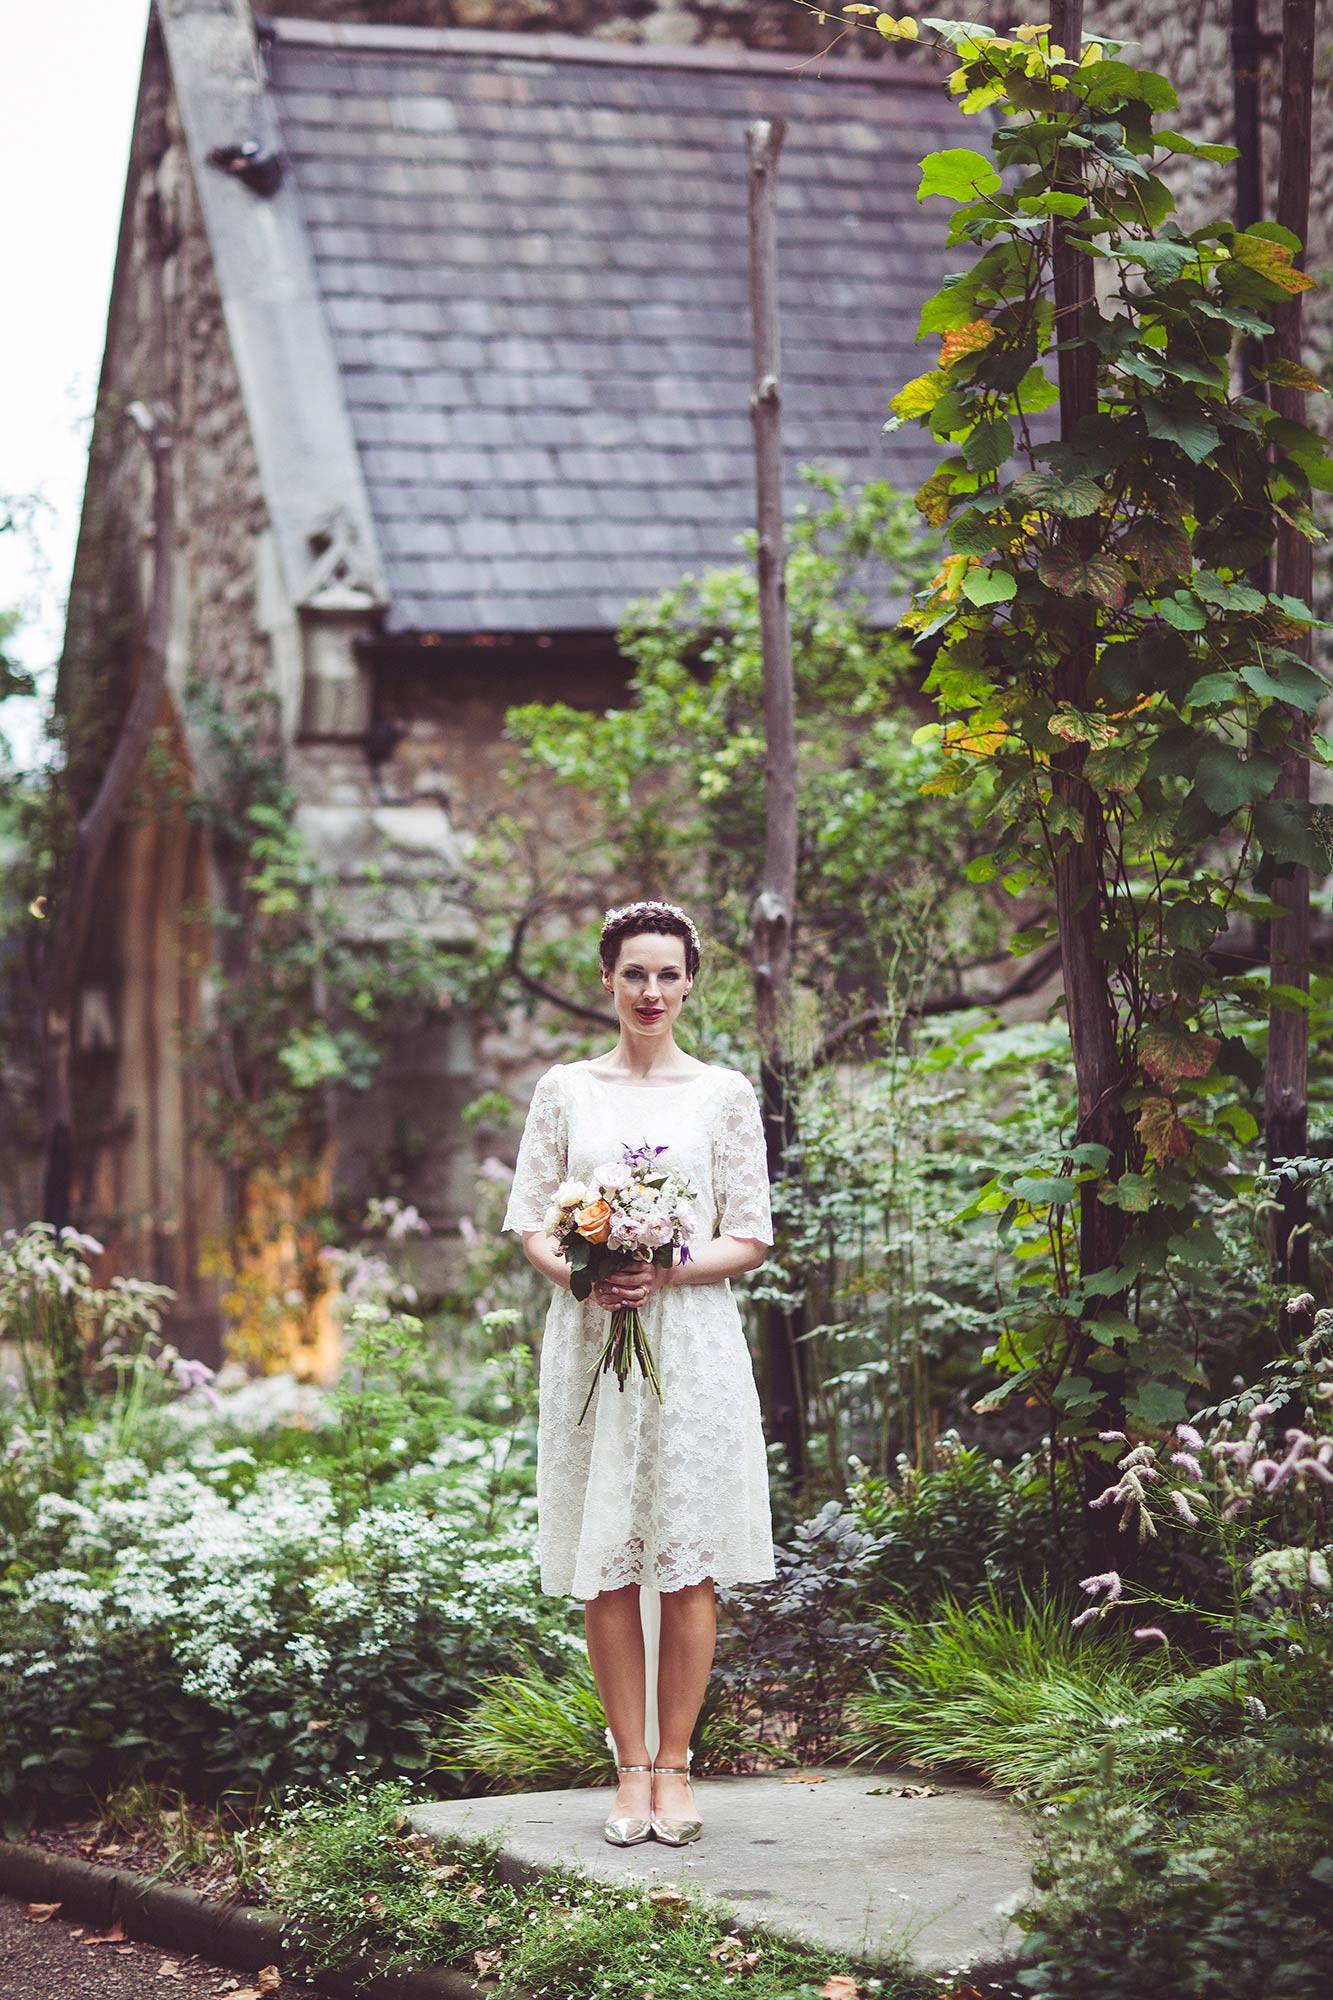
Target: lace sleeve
740, 1165
542, 1155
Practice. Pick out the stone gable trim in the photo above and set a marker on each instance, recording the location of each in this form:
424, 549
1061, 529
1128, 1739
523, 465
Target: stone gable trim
276, 318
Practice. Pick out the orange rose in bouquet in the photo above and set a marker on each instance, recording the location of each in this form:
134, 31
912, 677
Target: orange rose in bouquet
593, 1223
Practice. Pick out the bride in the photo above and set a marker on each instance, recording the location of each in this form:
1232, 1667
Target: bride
649, 1504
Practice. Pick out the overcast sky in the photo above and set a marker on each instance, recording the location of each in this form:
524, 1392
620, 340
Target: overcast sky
69, 71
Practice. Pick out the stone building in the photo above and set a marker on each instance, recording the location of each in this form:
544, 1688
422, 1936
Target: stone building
453, 326
448, 301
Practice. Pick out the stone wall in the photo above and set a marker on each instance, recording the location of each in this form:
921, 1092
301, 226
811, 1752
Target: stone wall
144, 1186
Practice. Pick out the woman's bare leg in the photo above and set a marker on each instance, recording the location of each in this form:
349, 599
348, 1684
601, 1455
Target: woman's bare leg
615, 1648
689, 1636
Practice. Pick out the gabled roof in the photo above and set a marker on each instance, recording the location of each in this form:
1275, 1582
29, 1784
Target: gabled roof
532, 257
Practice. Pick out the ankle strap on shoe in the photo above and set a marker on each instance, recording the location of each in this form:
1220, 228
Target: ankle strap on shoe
672, 1770
634, 1767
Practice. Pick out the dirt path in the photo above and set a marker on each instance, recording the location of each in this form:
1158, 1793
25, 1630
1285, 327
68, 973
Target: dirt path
59, 1960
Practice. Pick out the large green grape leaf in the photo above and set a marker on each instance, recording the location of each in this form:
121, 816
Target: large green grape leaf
1100, 575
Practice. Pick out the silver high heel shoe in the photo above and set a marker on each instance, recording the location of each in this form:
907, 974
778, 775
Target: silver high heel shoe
626, 1830
675, 1832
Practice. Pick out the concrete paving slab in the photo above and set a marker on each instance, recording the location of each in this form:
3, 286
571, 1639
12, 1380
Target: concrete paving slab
843, 1862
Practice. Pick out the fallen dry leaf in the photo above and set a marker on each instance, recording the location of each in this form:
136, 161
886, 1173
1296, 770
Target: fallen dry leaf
806, 1778
961, 1993
729, 1952
476, 1892
116, 1935
40, 1913
445, 1872
840, 1987
486, 1961
170, 1969
671, 1902
268, 1979
916, 1791
244, 1993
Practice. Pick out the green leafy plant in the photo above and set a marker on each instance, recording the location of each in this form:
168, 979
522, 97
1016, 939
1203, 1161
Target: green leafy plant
351, 1877
1115, 691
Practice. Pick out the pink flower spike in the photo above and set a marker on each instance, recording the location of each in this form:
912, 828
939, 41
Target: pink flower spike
1190, 1463
1113, 1437
1183, 1508
1189, 1436
1109, 1581
1093, 1611
1152, 1632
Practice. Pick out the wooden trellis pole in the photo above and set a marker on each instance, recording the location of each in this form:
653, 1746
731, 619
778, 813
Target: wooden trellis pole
774, 914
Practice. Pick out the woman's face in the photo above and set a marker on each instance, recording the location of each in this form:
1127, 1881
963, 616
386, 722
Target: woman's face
649, 983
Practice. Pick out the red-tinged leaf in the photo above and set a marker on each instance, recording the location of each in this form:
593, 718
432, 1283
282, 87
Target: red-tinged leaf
1073, 575
41, 1913
804, 1778
967, 339
1164, 1137
1073, 726
1169, 1053
1159, 552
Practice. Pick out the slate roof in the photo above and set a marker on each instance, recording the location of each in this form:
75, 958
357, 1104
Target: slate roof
533, 257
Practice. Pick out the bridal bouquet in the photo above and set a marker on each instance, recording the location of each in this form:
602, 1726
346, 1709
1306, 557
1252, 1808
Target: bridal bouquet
630, 1211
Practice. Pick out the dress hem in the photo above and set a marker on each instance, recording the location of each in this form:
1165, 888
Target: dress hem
726, 1582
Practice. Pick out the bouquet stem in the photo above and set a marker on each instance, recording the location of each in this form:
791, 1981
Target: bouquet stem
626, 1344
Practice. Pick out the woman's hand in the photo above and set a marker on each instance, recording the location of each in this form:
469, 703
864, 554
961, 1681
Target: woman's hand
631, 1285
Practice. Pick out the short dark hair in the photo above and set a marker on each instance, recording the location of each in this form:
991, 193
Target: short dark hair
658, 920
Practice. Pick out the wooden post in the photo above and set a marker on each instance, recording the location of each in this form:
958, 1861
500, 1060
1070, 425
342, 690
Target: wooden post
1286, 1111
74, 910
774, 913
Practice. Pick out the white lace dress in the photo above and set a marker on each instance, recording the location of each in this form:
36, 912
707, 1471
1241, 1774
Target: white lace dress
658, 1494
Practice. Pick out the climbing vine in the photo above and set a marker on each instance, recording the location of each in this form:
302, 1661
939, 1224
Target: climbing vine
1114, 681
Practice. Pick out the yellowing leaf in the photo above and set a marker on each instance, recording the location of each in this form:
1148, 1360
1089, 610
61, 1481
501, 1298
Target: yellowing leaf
967, 339
1031, 31
974, 740
904, 30
933, 498
918, 397
1164, 1137
1271, 260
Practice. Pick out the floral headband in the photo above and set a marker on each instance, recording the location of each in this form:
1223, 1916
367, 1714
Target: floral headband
651, 907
